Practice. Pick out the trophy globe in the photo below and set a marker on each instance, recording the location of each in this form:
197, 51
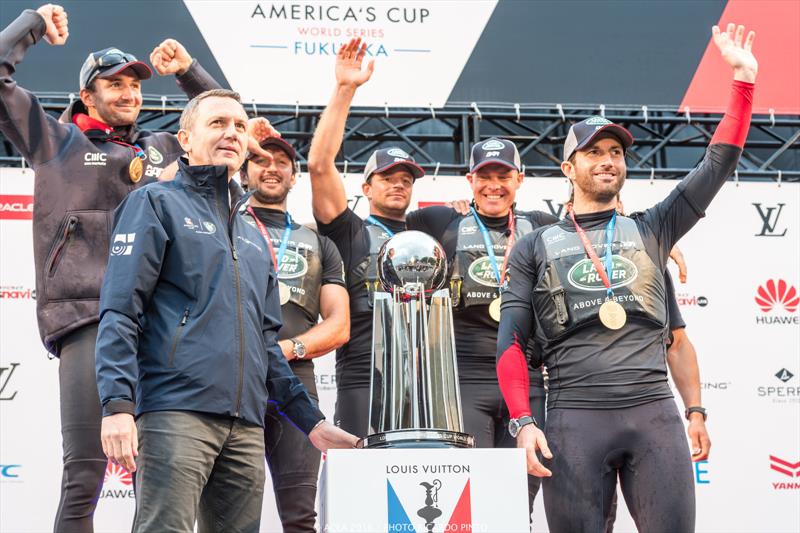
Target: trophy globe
412, 261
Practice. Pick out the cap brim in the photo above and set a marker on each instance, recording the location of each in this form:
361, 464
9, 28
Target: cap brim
491, 161
416, 171
141, 69
616, 130
278, 142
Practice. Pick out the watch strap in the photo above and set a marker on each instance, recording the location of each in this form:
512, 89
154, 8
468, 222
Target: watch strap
696, 409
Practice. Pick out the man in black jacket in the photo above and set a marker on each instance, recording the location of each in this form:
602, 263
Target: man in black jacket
85, 163
188, 334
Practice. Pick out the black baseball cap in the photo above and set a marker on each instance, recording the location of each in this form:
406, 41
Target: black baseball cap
494, 150
110, 61
277, 142
582, 133
383, 160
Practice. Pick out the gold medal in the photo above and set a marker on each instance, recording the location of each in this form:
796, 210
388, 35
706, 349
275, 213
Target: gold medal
284, 291
135, 169
612, 315
494, 309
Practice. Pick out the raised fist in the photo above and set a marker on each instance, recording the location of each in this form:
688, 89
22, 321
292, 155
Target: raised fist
170, 57
55, 20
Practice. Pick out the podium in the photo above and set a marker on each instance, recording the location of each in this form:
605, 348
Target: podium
424, 491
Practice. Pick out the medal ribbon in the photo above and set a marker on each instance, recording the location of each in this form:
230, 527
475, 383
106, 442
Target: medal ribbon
604, 273
499, 275
276, 260
374, 221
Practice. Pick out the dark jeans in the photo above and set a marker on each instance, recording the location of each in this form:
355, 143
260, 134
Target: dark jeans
486, 418
645, 446
197, 467
293, 462
84, 460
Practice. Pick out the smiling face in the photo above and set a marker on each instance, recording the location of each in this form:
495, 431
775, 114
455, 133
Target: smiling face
389, 193
115, 100
494, 188
215, 133
271, 180
598, 171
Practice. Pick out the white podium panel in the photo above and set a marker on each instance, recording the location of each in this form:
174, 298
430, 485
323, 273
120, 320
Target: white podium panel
424, 490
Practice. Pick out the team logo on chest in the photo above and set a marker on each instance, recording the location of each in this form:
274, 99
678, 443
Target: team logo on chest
293, 265
584, 276
482, 272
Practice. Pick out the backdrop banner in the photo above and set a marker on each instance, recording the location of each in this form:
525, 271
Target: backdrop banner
743, 258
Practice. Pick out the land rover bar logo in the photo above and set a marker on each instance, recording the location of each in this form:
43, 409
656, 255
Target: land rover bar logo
583, 275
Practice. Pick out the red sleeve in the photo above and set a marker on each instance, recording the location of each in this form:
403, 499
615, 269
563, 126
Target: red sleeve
512, 376
736, 123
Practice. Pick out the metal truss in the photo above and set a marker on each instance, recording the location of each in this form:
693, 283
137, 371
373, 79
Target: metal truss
668, 143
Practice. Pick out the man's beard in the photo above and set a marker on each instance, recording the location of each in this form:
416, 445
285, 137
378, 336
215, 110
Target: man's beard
270, 198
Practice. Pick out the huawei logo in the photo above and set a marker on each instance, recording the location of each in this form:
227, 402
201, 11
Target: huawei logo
777, 292
117, 473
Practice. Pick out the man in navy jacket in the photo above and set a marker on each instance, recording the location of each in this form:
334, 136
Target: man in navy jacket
189, 317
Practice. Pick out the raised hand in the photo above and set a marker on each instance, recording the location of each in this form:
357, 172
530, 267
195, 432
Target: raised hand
55, 20
170, 57
737, 51
348, 64
259, 129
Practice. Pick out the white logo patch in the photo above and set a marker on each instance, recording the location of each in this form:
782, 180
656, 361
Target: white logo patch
597, 121
155, 156
493, 145
93, 159
468, 230
209, 227
123, 244
397, 152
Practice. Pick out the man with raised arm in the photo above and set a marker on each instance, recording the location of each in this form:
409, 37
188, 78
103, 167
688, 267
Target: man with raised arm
388, 179
590, 289
84, 164
311, 285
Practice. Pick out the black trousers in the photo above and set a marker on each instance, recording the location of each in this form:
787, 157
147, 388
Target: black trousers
84, 460
293, 463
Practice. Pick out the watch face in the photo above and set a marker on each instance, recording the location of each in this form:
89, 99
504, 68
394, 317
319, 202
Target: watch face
300, 349
513, 427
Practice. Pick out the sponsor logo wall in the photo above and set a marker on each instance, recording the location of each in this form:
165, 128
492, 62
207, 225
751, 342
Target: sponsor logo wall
740, 304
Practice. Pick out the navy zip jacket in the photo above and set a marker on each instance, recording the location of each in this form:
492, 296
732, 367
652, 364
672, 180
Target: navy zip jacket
189, 308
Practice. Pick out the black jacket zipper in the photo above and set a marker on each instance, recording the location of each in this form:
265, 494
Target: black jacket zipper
177, 337
72, 222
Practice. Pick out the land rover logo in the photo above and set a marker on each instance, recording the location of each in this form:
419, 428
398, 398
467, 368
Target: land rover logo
493, 145
155, 156
293, 265
481, 271
584, 276
597, 121
397, 152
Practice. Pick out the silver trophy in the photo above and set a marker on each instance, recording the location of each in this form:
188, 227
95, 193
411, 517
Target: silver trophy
415, 399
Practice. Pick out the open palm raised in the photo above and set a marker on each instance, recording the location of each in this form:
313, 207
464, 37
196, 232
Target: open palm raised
737, 51
348, 64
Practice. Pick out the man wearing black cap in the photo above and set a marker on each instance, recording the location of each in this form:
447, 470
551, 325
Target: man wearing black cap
477, 245
85, 163
311, 285
388, 178
590, 291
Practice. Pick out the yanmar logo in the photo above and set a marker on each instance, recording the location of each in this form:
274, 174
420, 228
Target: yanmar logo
776, 296
786, 468
117, 482
16, 207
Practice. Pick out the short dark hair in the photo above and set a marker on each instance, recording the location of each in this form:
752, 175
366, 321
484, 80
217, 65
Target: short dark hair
189, 112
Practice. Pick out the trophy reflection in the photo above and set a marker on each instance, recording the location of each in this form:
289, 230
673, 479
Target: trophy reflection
415, 399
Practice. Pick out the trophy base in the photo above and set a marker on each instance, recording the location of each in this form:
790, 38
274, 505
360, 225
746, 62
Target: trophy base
418, 438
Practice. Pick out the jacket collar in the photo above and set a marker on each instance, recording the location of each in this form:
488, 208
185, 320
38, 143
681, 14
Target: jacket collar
209, 177
77, 114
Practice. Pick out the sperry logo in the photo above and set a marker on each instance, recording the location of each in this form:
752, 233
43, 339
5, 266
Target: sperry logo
94, 159
123, 244
769, 221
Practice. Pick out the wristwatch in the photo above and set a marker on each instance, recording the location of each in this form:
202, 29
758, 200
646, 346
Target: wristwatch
516, 424
696, 409
299, 349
